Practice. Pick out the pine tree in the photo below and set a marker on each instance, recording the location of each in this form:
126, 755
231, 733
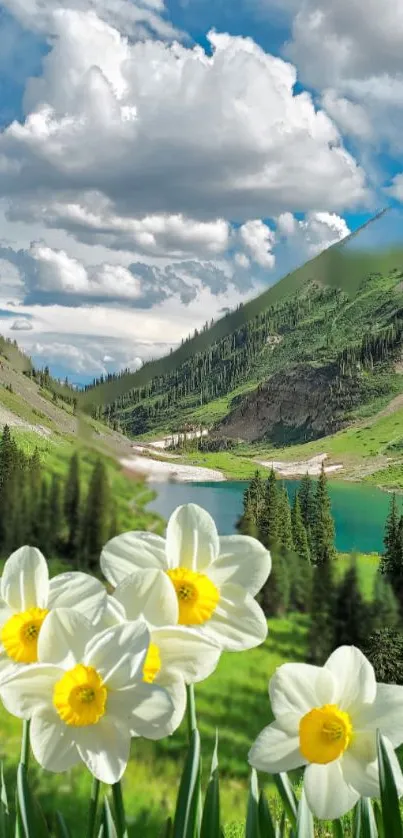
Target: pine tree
274, 597
95, 524
246, 524
299, 534
323, 533
352, 617
256, 494
307, 503
72, 502
114, 520
268, 520
56, 515
391, 540
284, 526
384, 650
44, 522
321, 632
7, 468
385, 608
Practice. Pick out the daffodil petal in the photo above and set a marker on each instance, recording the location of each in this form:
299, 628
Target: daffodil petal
80, 591
242, 560
25, 580
274, 750
152, 711
176, 689
112, 614
118, 653
191, 539
151, 595
63, 637
328, 794
354, 677
187, 652
238, 621
385, 713
105, 748
132, 551
364, 776
52, 741
5, 612
295, 688
29, 688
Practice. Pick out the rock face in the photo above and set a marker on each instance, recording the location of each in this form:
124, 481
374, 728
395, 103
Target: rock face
302, 404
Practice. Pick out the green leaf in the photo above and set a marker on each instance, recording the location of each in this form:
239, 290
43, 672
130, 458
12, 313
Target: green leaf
5, 819
109, 829
252, 814
210, 825
304, 828
101, 833
378, 819
167, 829
367, 819
357, 821
280, 830
267, 828
187, 805
337, 827
61, 826
288, 797
25, 804
392, 823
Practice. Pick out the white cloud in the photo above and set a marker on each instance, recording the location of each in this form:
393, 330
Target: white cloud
242, 260
258, 239
167, 130
353, 49
22, 324
90, 218
396, 188
57, 273
141, 18
317, 231
350, 117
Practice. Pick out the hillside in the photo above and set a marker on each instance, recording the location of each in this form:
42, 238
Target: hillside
39, 420
295, 364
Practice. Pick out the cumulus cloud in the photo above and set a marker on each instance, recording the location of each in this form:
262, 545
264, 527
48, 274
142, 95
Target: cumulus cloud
396, 187
167, 130
352, 50
316, 232
22, 325
142, 18
258, 239
90, 218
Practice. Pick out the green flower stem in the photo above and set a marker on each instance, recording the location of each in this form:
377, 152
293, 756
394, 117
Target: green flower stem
24, 758
120, 817
93, 807
191, 709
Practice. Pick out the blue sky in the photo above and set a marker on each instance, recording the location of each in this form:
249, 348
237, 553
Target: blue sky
162, 162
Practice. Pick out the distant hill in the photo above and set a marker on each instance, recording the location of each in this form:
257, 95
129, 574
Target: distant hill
293, 364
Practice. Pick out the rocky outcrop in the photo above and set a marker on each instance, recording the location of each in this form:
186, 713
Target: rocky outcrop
302, 404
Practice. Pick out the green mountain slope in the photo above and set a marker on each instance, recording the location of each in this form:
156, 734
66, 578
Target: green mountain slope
294, 364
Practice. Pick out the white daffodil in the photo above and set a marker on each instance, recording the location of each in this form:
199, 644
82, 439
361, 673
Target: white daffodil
176, 656
326, 718
86, 696
193, 578
26, 597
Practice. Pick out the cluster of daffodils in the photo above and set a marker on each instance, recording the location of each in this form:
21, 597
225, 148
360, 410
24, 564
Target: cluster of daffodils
91, 671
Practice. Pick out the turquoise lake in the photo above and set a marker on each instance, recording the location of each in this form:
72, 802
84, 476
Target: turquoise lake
359, 511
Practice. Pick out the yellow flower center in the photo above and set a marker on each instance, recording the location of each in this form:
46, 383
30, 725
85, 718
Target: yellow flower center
197, 596
325, 733
19, 635
152, 664
80, 696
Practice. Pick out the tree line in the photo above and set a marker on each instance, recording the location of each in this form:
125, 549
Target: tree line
305, 577
59, 515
